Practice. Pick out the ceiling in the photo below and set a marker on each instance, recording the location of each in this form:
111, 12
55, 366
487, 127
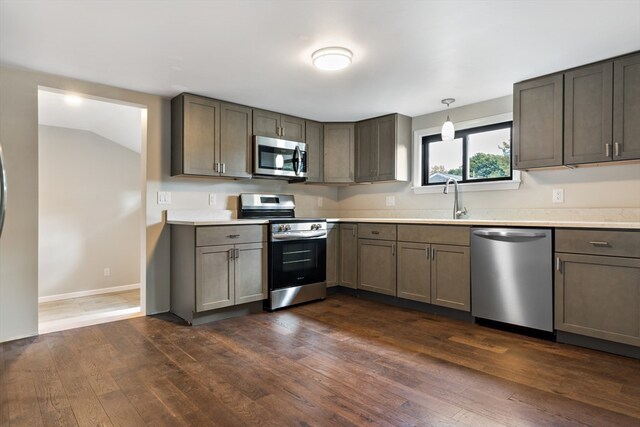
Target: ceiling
119, 123
408, 55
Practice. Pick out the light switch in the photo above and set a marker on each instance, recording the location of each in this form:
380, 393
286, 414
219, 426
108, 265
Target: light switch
212, 199
320, 202
164, 197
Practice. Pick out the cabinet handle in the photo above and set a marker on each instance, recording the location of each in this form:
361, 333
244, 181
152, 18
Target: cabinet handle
558, 264
375, 232
237, 253
282, 131
616, 149
230, 254
393, 249
427, 252
607, 150
600, 244
233, 236
216, 167
224, 167
433, 254
353, 232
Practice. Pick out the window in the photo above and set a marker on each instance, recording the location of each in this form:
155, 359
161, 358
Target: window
479, 154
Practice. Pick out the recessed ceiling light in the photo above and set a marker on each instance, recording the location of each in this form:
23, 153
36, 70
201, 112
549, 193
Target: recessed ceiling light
332, 58
73, 100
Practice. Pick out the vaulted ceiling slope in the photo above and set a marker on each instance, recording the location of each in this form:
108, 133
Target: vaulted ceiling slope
407, 54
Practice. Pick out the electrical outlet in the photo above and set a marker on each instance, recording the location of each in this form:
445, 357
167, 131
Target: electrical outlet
212, 199
391, 200
320, 202
107, 272
164, 197
557, 196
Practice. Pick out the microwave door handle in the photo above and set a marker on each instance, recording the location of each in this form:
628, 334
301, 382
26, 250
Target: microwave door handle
297, 160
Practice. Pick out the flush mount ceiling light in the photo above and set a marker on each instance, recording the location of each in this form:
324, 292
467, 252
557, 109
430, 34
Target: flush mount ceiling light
332, 58
448, 131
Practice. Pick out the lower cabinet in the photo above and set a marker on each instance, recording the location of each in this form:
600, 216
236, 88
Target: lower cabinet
349, 255
377, 266
333, 253
598, 296
214, 267
436, 274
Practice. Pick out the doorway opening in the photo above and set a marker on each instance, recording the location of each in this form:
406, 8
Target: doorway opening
91, 237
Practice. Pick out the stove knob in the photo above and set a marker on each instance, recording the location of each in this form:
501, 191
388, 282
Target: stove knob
281, 228
287, 227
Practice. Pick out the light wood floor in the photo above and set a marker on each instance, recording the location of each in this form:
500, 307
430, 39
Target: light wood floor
73, 312
344, 361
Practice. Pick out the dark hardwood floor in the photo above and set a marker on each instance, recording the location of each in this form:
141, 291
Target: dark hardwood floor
345, 361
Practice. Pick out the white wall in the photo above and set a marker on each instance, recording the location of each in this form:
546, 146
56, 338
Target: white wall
89, 212
603, 193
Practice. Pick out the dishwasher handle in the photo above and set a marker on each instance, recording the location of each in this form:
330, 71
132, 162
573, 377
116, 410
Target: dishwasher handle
508, 234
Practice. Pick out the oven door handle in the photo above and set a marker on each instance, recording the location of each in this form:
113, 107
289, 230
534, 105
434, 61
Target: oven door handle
299, 235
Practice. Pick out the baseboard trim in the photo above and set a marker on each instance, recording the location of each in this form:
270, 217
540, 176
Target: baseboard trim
89, 293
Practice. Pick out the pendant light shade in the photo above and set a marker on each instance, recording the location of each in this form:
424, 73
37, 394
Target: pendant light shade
448, 131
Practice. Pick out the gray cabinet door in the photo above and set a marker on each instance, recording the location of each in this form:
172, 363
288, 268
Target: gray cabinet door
315, 155
266, 123
235, 140
349, 255
214, 277
339, 152
537, 122
626, 108
598, 296
293, 128
201, 135
366, 150
450, 278
588, 102
414, 271
377, 266
333, 254
250, 272
387, 148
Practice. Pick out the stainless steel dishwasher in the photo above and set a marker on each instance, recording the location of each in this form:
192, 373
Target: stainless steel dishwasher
511, 276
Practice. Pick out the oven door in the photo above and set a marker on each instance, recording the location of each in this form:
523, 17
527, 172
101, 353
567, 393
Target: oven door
297, 262
279, 157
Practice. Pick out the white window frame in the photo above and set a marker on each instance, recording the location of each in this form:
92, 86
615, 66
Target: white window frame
417, 186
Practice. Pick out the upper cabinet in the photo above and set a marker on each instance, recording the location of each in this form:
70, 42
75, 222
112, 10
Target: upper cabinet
383, 149
210, 137
537, 122
314, 137
276, 125
589, 114
339, 152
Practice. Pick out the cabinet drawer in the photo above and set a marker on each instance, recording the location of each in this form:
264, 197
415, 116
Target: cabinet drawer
377, 231
442, 234
599, 242
230, 234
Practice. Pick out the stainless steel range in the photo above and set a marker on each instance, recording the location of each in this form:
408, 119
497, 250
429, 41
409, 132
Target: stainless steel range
297, 250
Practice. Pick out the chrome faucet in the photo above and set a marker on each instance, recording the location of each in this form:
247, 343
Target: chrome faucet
456, 200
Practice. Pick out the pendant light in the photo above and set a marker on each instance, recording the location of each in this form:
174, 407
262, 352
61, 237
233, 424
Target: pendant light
448, 131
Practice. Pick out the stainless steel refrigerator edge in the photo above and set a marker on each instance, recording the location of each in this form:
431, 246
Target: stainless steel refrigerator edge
511, 276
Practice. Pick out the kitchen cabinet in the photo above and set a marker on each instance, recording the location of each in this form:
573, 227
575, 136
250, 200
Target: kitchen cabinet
434, 265
314, 137
383, 147
377, 258
588, 114
597, 284
626, 108
214, 267
339, 153
538, 122
276, 125
348, 255
333, 253
210, 137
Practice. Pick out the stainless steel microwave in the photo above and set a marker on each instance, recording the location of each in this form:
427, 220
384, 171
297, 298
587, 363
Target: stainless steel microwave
279, 158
